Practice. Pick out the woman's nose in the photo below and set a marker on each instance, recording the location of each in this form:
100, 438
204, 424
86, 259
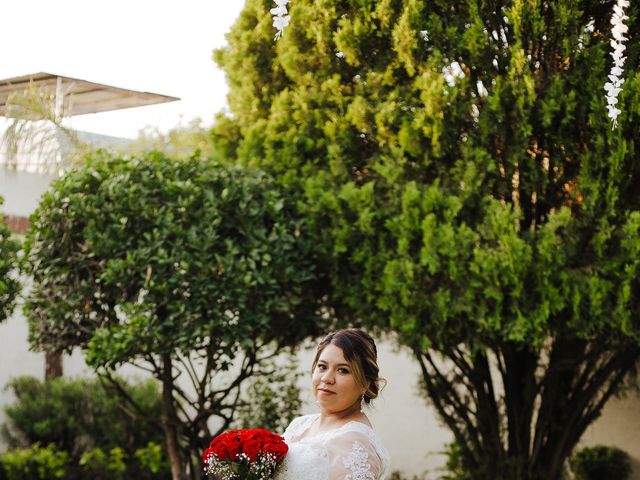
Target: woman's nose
327, 376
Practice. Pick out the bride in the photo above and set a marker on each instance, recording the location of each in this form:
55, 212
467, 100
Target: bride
339, 442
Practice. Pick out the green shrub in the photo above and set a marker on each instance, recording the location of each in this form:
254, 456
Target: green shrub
152, 462
34, 463
77, 415
600, 462
9, 259
98, 465
87, 421
453, 469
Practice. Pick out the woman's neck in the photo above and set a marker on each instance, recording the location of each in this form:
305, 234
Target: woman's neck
328, 418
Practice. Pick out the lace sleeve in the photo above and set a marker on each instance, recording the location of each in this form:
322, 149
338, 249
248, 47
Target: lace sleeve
353, 456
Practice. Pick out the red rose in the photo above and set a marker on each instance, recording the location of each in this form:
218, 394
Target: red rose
251, 448
225, 447
254, 443
277, 448
233, 447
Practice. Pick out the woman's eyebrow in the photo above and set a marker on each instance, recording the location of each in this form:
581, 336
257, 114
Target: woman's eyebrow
337, 365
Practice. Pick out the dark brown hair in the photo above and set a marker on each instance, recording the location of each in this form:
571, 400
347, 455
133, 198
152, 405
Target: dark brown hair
360, 352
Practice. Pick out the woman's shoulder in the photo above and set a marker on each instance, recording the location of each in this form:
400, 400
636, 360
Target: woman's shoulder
357, 444
304, 419
361, 431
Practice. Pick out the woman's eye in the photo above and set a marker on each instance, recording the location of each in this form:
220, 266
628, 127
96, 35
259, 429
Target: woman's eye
343, 370
321, 367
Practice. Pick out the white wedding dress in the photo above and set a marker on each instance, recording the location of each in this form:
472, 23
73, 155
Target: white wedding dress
350, 452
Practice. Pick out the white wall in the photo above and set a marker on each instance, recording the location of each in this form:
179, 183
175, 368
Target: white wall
21, 191
619, 426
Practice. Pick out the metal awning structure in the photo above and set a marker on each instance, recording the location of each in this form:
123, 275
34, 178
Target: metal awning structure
76, 96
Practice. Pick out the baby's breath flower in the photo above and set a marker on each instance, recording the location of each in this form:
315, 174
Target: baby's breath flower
614, 86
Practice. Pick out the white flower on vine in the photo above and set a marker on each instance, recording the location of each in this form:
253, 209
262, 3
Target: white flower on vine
614, 86
280, 17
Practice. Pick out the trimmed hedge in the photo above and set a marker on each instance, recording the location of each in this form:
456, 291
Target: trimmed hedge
600, 462
78, 429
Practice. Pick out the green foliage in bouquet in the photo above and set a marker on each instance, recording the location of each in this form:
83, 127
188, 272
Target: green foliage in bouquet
599, 462
9, 284
468, 193
188, 269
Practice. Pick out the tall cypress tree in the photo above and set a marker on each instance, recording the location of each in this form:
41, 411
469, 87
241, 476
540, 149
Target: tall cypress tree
458, 158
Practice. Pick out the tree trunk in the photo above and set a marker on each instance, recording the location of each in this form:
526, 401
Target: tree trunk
197, 472
544, 413
196, 466
170, 422
52, 365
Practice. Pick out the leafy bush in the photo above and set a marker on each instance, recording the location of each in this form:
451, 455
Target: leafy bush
453, 468
84, 420
152, 461
100, 465
9, 284
77, 415
34, 463
600, 462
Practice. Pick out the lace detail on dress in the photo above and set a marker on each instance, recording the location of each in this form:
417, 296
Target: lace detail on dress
350, 452
357, 464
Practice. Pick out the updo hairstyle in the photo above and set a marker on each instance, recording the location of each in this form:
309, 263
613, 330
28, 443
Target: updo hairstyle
360, 352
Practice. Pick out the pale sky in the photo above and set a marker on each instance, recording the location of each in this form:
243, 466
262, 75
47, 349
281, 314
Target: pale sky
159, 46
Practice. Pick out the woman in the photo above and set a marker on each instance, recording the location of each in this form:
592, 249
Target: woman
339, 442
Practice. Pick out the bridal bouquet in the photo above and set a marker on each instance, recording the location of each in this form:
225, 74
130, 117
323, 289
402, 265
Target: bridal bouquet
244, 455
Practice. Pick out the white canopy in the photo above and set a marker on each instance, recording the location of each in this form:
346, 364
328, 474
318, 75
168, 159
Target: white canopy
78, 96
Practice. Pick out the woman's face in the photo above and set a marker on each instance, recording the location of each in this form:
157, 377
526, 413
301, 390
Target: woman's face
333, 382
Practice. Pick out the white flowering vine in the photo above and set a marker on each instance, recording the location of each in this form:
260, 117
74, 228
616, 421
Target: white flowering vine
614, 86
280, 17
